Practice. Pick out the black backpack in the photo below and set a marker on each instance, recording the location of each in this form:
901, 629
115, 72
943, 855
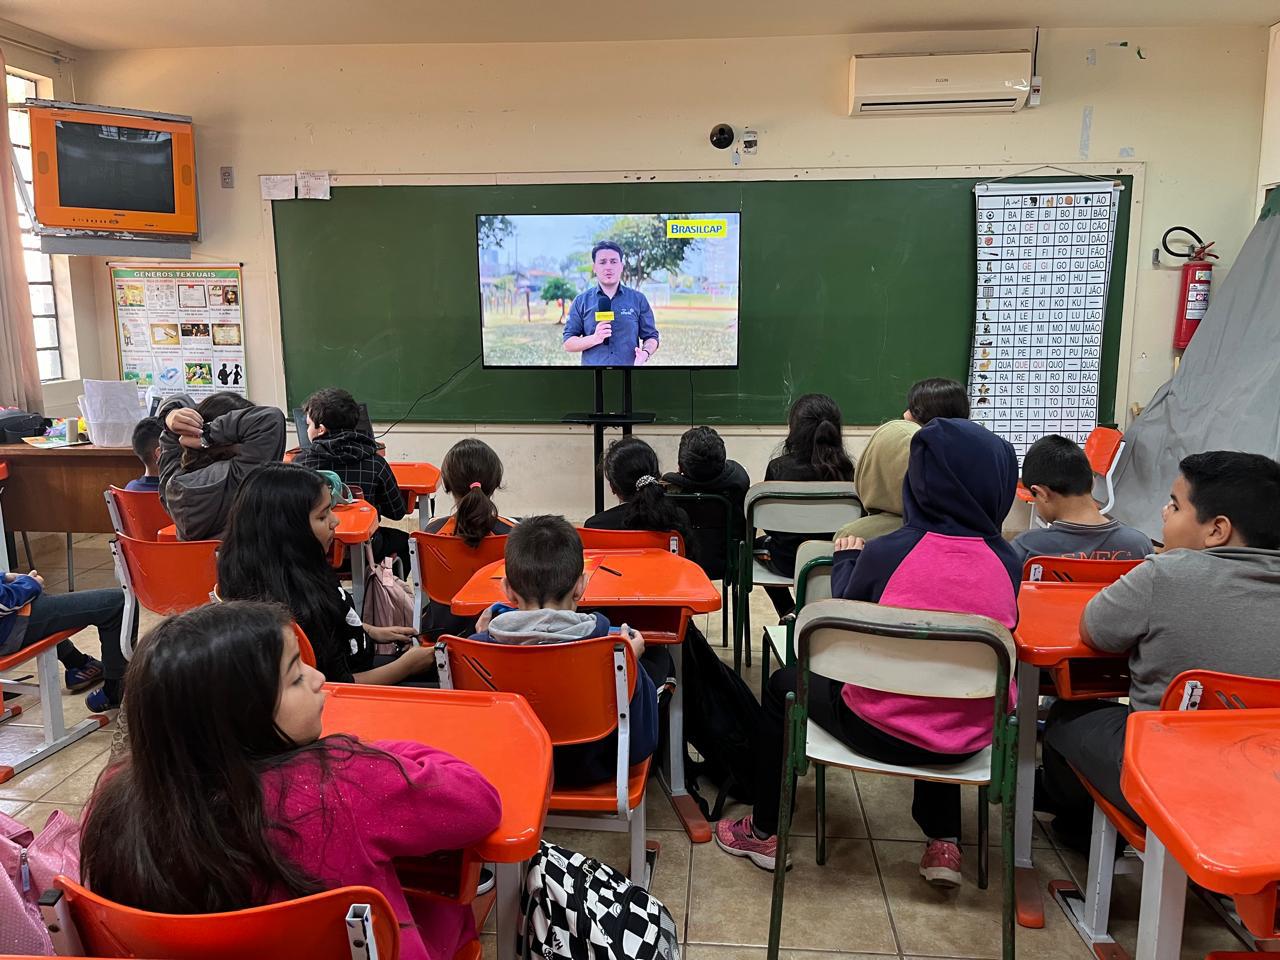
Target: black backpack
722, 720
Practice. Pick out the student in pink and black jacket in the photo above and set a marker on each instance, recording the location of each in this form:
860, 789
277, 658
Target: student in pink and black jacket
948, 556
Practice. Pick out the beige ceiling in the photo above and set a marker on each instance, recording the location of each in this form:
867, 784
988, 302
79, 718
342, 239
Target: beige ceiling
127, 24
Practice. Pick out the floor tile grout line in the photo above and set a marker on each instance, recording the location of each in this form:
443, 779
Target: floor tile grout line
875, 859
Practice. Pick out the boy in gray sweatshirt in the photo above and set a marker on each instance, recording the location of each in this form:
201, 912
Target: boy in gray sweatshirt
1058, 474
1210, 601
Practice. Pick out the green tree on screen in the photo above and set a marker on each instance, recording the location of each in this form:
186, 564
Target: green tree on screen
558, 289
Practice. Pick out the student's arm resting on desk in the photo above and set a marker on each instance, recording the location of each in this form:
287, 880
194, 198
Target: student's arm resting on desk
1119, 616
412, 661
438, 803
844, 570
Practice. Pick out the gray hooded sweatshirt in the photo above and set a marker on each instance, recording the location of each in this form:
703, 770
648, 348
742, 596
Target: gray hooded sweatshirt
199, 499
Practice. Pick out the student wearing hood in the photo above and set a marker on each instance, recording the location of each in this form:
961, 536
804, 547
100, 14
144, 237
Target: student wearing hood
947, 556
878, 479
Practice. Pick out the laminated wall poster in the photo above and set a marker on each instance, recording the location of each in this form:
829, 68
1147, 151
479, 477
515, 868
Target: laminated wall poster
1044, 261
180, 329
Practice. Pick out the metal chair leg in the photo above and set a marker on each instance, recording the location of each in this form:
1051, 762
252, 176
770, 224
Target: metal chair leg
820, 834
724, 612
984, 841
784, 829
764, 664
71, 565
26, 545
1009, 911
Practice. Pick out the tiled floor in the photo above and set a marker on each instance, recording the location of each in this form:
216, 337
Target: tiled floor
868, 899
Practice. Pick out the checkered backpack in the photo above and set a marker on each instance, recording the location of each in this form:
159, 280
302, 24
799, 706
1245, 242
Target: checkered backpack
581, 909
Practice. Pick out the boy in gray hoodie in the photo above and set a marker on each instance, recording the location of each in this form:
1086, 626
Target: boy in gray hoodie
206, 451
1210, 601
543, 584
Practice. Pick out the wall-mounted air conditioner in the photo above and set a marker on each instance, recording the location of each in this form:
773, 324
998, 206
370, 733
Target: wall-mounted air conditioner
912, 84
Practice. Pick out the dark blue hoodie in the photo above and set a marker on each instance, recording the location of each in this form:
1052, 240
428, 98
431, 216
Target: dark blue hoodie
949, 555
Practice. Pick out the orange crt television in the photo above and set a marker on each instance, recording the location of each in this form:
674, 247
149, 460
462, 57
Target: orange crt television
113, 172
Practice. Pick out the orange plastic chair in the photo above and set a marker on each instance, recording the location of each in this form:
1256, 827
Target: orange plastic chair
46, 688
580, 691
164, 577
1103, 448
306, 652
631, 540
136, 513
333, 925
1075, 570
1191, 690
440, 565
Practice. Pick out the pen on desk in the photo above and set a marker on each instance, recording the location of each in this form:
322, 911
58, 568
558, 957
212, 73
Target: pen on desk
616, 573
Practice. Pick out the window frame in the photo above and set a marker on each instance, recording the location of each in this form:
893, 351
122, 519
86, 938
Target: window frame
56, 284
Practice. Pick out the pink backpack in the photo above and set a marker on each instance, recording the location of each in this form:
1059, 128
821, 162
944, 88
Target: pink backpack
385, 602
29, 865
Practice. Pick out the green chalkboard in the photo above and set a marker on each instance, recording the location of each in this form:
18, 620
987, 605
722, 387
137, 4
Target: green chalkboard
855, 288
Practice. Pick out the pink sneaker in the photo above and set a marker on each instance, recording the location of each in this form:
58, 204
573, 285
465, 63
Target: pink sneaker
735, 837
940, 864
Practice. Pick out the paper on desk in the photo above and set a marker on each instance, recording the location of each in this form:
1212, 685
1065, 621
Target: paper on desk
313, 184
278, 186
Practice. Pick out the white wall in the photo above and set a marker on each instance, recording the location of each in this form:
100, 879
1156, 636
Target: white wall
1269, 160
532, 109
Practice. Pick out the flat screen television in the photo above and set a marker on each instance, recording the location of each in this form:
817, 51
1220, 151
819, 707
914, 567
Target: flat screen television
609, 290
110, 172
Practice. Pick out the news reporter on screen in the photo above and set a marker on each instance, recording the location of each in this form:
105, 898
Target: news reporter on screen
631, 338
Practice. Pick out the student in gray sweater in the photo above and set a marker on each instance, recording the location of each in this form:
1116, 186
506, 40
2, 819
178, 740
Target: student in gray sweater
1058, 474
1210, 601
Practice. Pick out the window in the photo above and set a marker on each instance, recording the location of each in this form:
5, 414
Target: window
44, 300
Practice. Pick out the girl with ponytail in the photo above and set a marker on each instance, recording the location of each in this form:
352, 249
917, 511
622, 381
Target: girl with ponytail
631, 467
471, 473
813, 450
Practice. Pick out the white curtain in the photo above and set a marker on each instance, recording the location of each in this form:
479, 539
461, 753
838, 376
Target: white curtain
19, 373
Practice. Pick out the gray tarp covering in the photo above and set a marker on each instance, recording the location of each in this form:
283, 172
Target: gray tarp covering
1226, 393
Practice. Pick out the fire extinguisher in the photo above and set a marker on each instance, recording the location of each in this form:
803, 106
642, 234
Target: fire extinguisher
1193, 291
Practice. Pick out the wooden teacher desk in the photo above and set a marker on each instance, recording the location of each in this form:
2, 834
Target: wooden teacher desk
60, 490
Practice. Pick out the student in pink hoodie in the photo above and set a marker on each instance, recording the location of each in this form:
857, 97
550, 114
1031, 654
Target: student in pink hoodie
247, 804
948, 555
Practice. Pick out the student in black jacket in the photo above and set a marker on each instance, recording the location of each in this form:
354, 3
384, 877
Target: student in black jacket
814, 450
705, 468
631, 467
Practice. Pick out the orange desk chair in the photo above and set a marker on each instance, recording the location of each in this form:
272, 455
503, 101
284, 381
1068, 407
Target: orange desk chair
47, 689
1075, 570
165, 577
305, 651
1102, 448
136, 513
350, 922
631, 540
441, 564
580, 692
1090, 912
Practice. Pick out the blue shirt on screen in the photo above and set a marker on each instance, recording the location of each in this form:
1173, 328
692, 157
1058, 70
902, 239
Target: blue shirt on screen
632, 325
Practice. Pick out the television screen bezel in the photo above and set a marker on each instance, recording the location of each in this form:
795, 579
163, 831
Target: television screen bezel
51, 214
485, 365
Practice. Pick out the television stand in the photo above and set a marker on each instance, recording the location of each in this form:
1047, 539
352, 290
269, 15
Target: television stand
601, 421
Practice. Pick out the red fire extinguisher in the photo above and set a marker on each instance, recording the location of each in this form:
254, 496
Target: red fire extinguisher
1193, 291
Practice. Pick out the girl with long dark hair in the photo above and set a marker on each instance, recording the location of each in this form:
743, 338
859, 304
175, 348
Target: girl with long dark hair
814, 450
276, 550
631, 468
230, 798
471, 473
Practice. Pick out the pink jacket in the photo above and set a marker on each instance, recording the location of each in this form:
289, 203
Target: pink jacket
347, 829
